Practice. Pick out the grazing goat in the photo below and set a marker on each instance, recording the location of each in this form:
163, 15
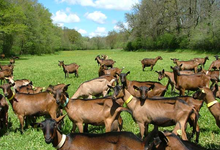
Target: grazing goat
201, 61
189, 82
215, 65
106, 62
213, 105
214, 76
169, 141
70, 68
162, 74
157, 112
157, 88
82, 141
30, 104
103, 70
186, 65
150, 62
102, 111
94, 87
3, 112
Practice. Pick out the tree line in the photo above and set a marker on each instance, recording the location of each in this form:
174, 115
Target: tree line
26, 27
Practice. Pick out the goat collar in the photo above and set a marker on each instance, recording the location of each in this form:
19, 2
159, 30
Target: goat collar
61, 142
11, 96
129, 99
67, 100
211, 103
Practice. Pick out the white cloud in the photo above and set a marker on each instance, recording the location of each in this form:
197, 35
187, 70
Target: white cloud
65, 17
106, 4
100, 31
81, 31
96, 16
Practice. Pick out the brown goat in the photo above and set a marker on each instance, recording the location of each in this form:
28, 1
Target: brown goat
12, 61
3, 112
189, 82
186, 65
157, 112
29, 89
201, 61
106, 62
157, 88
30, 104
82, 141
162, 74
70, 68
213, 105
103, 70
94, 87
7, 67
196, 104
102, 111
2, 56
5, 74
150, 62
216, 90
215, 65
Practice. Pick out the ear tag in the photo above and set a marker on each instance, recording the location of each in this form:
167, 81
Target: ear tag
203, 91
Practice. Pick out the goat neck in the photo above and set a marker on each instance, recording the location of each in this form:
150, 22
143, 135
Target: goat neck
59, 140
130, 101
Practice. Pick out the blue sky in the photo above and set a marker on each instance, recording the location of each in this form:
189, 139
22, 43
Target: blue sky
89, 17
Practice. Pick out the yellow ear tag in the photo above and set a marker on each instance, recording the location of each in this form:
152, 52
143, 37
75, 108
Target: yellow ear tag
179, 132
203, 91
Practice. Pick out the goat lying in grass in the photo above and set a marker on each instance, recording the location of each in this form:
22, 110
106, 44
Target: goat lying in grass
82, 141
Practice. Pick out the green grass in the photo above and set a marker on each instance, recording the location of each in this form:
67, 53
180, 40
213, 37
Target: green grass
44, 70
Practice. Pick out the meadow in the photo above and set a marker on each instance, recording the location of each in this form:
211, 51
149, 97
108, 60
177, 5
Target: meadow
44, 70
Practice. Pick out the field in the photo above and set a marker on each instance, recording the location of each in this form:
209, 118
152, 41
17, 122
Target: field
44, 70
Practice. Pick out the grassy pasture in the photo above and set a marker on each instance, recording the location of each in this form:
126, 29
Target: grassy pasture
44, 70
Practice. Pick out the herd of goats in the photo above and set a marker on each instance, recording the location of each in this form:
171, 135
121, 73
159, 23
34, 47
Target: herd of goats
145, 102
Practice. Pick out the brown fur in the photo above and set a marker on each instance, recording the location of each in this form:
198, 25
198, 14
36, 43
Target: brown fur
30, 104
150, 62
186, 65
3, 112
106, 62
201, 61
189, 82
159, 112
71, 68
82, 141
102, 111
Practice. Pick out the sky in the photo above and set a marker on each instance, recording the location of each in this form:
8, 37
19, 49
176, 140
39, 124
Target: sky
89, 17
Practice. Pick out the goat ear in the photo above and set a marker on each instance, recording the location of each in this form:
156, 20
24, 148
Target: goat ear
66, 87
111, 87
128, 73
135, 87
162, 137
